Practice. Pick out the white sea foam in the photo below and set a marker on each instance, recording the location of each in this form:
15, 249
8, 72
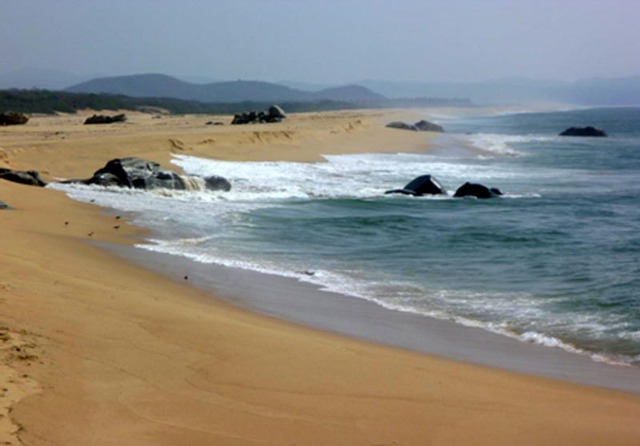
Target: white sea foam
503, 144
201, 226
342, 177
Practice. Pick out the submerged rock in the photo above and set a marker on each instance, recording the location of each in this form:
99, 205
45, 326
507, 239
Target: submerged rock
477, 190
422, 185
584, 131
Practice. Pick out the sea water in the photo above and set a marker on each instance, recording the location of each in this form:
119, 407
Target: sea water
555, 261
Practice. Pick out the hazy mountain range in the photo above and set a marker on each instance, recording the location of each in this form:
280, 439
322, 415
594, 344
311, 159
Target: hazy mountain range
614, 91
159, 85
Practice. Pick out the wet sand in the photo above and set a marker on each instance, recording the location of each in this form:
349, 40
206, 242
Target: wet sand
308, 305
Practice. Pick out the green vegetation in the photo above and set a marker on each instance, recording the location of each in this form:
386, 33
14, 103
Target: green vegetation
50, 102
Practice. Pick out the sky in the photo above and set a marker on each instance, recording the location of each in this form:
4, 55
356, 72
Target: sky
325, 41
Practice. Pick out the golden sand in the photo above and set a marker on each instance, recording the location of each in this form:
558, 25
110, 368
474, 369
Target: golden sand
96, 351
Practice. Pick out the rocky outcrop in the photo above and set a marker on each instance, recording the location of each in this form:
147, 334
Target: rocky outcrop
138, 173
584, 131
29, 177
422, 185
275, 113
401, 126
420, 126
426, 126
103, 119
13, 118
477, 190
215, 182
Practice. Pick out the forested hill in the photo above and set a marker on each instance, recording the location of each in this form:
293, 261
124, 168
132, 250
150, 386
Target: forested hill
162, 86
44, 101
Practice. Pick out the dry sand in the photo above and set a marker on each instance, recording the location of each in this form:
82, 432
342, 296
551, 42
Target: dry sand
98, 351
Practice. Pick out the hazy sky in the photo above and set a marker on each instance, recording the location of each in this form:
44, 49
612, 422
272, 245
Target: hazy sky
326, 41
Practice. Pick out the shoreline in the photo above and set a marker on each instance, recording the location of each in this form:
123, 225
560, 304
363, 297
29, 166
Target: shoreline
124, 354
308, 305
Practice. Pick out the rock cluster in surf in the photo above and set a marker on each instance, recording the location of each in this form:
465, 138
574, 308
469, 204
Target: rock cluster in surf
138, 173
429, 185
422, 185
135, 173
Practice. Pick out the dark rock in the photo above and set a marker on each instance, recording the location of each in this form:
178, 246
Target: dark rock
217, 183
13, 118
31, 177
4, 205
420, 126
275, 113
584, 131
426, 126
401, 126
477, 190
103, 119
245, 118
142, 174
422, 185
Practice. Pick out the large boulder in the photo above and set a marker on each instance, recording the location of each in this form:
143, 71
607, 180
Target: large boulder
138, 173
29, 177
477, 190
584, 131
103, 119
276, 112
422, 185
217, 183
426, 126
13, 118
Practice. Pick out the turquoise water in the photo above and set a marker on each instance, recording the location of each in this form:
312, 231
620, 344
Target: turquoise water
556, 261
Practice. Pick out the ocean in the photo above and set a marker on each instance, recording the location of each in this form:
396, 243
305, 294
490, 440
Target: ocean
555, 261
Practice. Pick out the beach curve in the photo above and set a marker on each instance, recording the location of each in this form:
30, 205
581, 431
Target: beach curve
136, 357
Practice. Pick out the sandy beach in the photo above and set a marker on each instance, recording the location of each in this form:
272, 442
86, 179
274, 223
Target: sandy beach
98, 350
